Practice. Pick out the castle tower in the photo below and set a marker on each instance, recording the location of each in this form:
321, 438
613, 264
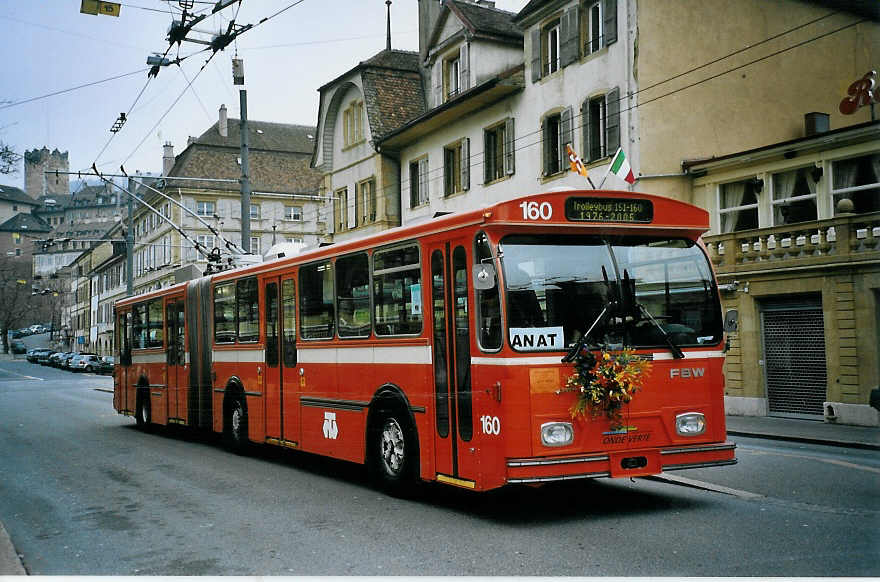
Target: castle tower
36, 162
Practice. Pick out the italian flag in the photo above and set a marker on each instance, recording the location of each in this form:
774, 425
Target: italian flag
620, 167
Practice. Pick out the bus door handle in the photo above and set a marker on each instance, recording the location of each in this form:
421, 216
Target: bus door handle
496, 389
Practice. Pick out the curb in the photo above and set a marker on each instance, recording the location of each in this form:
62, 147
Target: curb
10, 563
808, 440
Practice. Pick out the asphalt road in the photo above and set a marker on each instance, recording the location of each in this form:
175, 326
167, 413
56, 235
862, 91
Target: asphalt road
82, 492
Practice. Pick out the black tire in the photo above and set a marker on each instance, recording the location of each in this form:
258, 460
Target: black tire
143, 415
235, 426
393, 453
89, 369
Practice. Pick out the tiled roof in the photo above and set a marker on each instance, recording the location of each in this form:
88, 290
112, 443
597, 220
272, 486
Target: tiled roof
13, 194
24, 222
394, 59
263, 135
532, 6
486, 20
393, 98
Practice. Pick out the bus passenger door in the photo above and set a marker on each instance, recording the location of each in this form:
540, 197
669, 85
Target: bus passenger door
290, 377
455, 457
176, 361
273, 359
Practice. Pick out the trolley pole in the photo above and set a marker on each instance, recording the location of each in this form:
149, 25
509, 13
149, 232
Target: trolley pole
129, 244
245, 178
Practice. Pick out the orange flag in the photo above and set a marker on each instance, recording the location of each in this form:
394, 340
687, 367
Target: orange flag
577, 166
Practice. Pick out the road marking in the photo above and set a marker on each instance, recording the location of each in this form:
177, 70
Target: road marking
677, 480
846, 464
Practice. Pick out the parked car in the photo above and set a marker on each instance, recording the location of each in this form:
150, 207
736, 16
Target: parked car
37, 328
106, 365
25, 331
18, 347
67, 360
85, 362
15, 334
44, 357
57, 360
35, 354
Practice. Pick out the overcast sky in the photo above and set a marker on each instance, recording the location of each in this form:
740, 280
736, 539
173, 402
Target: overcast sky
49, 47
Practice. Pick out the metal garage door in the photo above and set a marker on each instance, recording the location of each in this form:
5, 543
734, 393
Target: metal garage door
794, 357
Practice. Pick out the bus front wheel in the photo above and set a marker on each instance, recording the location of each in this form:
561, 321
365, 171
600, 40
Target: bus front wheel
392, 461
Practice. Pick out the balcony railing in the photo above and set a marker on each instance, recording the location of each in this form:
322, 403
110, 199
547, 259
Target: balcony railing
853, 238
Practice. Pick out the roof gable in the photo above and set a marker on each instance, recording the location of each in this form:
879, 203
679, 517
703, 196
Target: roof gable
17, 195
24, 222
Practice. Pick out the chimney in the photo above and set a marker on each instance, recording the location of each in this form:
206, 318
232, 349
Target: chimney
815, 123
223, 126
167, 158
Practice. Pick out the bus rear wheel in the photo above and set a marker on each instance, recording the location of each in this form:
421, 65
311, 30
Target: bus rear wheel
143, 414
236, 426
393, 457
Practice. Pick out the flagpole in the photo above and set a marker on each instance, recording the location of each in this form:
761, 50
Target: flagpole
608, 170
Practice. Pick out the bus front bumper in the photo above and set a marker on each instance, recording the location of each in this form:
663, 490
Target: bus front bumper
623, 463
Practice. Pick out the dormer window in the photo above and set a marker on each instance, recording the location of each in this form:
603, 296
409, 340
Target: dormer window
452, 77
353, 123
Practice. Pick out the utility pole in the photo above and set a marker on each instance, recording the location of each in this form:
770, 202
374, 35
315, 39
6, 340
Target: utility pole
129, 244
238, 79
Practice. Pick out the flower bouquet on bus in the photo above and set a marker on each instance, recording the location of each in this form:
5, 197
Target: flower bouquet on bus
604, 385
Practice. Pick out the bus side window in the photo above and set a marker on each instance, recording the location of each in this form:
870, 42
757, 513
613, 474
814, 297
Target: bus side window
316, 301
353, 296
139, 326
155, 324
248, 310
488, 301
397, 291
288, 322
224, 313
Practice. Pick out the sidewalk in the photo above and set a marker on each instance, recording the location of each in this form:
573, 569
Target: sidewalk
10, 565
805, 431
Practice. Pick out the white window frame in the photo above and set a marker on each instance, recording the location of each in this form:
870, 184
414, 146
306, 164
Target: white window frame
293, 213
550, 48
774, 202
594, 14
203, 206
749, 207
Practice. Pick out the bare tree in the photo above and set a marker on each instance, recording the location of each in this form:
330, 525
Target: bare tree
9, 159
15, 289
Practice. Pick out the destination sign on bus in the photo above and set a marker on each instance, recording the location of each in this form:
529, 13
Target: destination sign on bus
609, 210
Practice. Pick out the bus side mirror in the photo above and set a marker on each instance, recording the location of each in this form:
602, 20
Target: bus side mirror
484, 276
731, 319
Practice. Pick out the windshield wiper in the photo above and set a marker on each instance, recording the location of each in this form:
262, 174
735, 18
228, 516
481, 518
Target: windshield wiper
582, 341
676, 351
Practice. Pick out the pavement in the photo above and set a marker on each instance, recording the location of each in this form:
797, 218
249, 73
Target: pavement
767, 427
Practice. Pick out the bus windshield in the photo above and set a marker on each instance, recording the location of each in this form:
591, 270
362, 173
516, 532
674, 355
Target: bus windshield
557, 286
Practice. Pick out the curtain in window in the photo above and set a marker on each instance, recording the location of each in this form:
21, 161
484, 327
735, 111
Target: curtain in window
783, 187
732, 195
845, 172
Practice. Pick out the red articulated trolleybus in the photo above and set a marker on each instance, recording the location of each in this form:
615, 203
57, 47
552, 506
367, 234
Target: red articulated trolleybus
435, 352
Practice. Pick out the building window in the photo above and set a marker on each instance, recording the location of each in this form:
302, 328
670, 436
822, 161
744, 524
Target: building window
205, 208
341, 209
418, 182
858, 180
550, 48
293, 213
452, 77
255, 211
255, 245
365, 202
601, 125
594, 37
738, 205
452, 169
207, 243
353, 124
794, 197
556, 132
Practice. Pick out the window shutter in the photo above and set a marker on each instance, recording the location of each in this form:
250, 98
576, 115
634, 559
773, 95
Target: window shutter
438, 83
424, 193
545, 131
609, 8
464, 68
466, 163
565, 39
585, 125
486, 153
536, 54
612, 121
570, 30
509, 147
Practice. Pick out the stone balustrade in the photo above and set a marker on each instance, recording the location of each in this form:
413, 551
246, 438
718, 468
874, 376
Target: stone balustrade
849, 238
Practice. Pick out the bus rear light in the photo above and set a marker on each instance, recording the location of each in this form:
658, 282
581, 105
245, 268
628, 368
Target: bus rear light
557, 434
690, 424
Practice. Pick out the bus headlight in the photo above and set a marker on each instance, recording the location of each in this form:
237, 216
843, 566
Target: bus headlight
690, 424
557, 434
